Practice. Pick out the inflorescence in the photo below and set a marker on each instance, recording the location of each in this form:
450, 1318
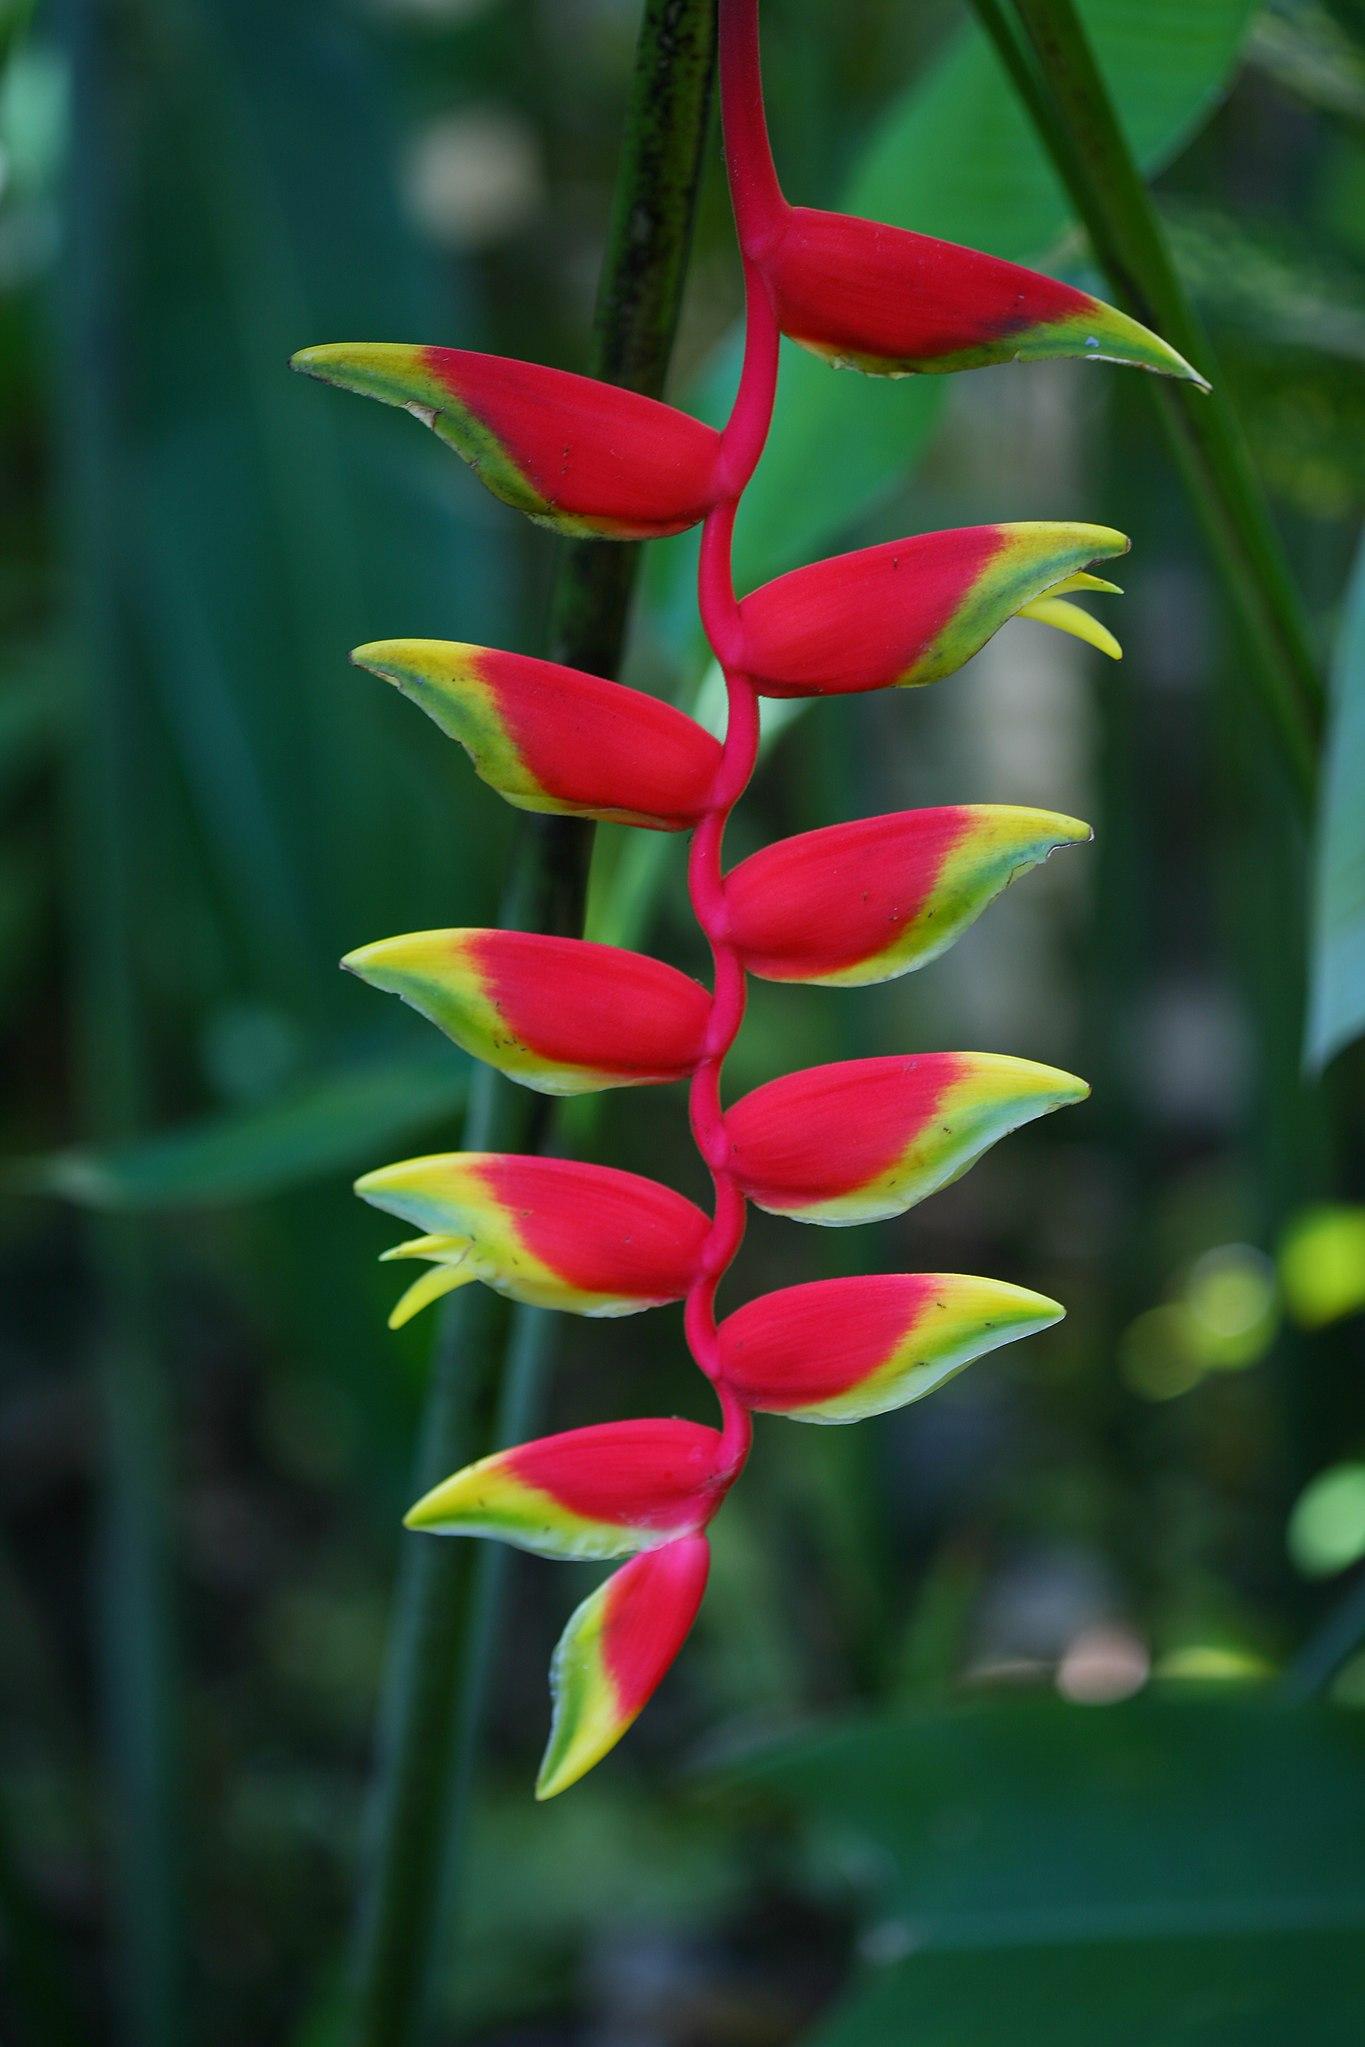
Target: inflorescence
851, 904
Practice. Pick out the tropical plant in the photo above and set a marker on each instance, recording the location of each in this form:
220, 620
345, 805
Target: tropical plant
848, 1143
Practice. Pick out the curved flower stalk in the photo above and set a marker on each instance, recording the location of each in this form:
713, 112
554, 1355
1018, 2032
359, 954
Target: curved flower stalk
847, 905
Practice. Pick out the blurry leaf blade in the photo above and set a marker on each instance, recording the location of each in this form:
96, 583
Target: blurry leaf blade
1200, 1989
957, 155
1336, 1008
310, 1134
997, 1823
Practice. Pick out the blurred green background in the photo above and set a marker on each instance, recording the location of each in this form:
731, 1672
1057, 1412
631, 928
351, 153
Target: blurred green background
1035, 1711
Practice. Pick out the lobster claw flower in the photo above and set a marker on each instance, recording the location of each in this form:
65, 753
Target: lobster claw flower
615, 1652
561, 1015
868, 1138
911, 611
890, 302
550, 1232
574, 454
552, 739
838, 1350
604, 1491
863, 902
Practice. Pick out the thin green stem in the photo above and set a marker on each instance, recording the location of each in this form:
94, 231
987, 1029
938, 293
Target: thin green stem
138, 1659
1066, 97
447, 1598
1327, 1652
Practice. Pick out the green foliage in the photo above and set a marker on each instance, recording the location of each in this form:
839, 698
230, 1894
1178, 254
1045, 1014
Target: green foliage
332, 1124
959, 158
1172, 1868
1337, 993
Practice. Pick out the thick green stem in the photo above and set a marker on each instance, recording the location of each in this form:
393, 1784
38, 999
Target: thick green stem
488, 1364
135, 1605
1066, 96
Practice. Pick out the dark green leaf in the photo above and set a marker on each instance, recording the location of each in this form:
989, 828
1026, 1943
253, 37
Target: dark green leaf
1201, 1990
1038, 1821
338, 1123
958, 157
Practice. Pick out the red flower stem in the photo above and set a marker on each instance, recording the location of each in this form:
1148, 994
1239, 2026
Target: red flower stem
757, 203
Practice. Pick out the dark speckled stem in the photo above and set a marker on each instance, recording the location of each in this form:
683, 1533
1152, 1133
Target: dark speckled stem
488, 1363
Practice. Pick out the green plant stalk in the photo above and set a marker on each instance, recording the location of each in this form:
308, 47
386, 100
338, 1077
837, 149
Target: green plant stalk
1325, 1654
135, 1604
1069, 103
447, 1597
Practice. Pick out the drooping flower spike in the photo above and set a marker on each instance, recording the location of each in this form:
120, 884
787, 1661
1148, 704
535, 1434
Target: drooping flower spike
849, 904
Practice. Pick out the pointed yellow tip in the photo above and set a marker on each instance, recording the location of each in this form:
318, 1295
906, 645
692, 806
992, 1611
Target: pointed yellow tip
381, 657
440, 1246
1083, 580
445, 664
434, 1284
1069, 831
551, 1782
1065, 617
434, 1505
1030, 1075
1169, 362
365, 960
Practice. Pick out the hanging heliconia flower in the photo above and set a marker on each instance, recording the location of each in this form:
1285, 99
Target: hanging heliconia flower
847, 905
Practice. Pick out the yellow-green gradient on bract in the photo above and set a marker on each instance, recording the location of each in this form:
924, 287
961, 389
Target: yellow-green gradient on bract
613, 1654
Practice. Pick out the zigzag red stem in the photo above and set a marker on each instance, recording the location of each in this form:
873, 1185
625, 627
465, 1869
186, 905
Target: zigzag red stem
756, 201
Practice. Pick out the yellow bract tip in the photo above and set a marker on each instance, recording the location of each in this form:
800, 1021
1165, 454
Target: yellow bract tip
431, 1286
1069, 618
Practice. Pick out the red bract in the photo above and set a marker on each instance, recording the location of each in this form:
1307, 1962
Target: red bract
573, 454
867, 901
853, 903
557, 1014
597, 1492
867, 1138
909, 611
838, 1350
551, 1232
880, 299
614, 1654
552, 739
